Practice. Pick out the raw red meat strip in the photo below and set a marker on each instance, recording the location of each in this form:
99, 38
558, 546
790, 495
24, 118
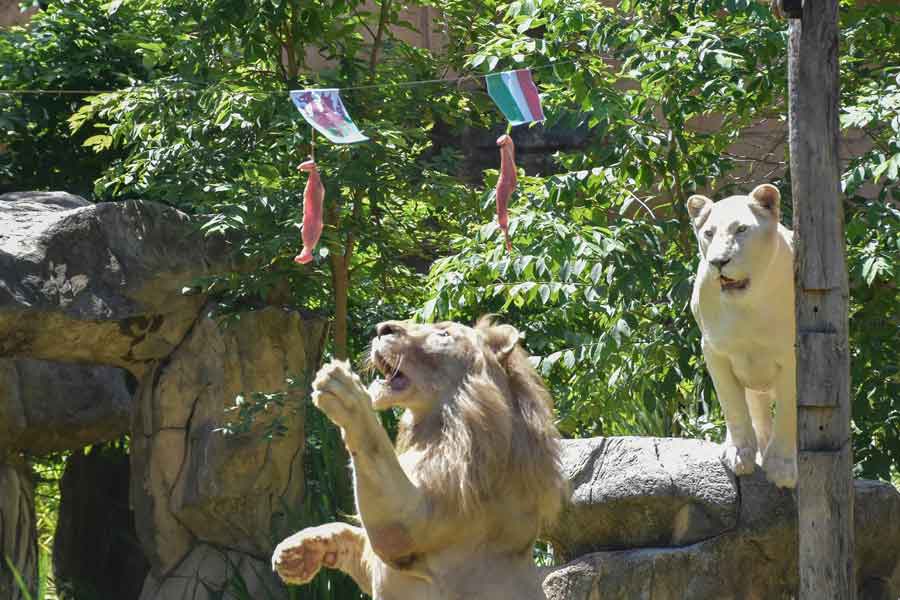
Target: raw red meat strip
313, 196
506, 184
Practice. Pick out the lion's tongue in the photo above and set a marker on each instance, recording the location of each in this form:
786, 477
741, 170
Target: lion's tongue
398, 382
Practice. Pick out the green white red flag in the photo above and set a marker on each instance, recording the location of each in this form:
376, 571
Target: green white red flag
516, 96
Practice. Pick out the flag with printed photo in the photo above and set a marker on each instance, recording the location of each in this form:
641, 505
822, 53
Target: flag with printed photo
516, 96
324, 110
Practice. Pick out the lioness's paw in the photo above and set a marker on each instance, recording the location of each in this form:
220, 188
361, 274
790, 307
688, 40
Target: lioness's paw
740, 460
300, 557
780, 470
339, 393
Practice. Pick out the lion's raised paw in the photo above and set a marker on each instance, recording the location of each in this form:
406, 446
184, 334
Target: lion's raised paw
299, 558
339, 393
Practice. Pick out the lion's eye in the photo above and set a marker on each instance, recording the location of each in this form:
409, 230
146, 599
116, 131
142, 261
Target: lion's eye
443, 333
708, 233
741, 229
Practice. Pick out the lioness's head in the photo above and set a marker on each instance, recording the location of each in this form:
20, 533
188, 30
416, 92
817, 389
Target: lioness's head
423, 364
737, 235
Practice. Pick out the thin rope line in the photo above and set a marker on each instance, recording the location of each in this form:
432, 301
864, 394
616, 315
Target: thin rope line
454, 80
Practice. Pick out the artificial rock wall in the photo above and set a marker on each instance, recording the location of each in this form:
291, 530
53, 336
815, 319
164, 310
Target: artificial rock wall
102, 334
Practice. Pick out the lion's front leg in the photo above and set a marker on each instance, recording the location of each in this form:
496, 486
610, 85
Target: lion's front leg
299, 557
393, 510
780, 458
739, 453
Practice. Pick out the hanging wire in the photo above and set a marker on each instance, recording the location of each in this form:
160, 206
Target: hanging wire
453, 80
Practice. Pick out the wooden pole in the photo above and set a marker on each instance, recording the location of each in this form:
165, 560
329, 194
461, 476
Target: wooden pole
825, 485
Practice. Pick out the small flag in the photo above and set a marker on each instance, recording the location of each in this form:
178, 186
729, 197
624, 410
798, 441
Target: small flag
324, 110
516, 96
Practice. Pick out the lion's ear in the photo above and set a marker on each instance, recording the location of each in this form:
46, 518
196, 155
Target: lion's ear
698, 208
767, 197
502, 339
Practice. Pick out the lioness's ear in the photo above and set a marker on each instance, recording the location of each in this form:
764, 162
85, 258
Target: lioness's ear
698, 208
767, 197
502, 339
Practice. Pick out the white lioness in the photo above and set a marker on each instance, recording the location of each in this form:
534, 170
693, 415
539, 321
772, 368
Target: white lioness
743, 300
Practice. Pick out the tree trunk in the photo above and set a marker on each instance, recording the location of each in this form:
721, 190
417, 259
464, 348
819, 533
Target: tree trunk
340, 282
824, 488
18, 535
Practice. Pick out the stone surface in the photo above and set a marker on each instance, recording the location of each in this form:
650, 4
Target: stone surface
48, 406
751, 557
214, 573
98, 283
95, 550
18, 535
630, 492
191, 480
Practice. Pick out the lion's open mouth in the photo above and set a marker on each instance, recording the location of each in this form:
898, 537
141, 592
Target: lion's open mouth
390, 368
733, 284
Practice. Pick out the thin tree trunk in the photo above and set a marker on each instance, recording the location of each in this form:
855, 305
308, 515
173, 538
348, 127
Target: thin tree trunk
825, 486
339, 259
379, 35
340, 282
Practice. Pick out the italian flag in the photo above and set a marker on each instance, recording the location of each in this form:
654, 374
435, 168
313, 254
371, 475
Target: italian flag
516, 96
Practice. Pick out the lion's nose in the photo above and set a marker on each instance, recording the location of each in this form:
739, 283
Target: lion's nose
719, 262
388, 328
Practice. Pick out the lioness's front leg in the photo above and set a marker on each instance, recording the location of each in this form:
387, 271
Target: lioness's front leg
393, 510
739, 453
780, 458
299, 557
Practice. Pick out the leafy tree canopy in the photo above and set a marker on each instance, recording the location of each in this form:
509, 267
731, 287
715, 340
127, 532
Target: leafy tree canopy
600, 276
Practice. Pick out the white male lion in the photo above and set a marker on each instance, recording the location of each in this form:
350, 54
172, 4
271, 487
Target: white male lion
743, 301
454, 511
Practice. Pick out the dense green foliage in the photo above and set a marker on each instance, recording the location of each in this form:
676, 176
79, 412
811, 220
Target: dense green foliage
599, 280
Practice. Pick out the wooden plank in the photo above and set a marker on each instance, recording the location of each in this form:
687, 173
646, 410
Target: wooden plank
824, 527
824, 487
820, 358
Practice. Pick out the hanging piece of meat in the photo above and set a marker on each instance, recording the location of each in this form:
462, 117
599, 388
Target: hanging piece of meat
313, 196
506, 184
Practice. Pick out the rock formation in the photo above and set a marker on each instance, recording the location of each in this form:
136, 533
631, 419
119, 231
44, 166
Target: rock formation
112, 286
192, 481
98, 283
49, 407
662, 519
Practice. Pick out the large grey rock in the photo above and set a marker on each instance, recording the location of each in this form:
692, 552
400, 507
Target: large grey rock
209, 572
193, 482
99, 283
747, 552
48, 407
18, 533
95, 549
631, 492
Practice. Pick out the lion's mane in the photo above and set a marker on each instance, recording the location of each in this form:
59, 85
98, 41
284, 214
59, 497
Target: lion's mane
495, 438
